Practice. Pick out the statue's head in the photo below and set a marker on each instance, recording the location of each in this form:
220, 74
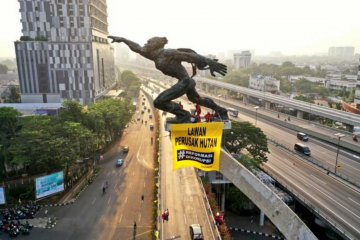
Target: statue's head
155, 43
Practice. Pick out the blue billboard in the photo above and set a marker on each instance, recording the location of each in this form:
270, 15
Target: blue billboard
2, 195
49, 185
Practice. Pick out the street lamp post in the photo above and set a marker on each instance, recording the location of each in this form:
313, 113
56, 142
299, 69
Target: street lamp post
309, 111
339, 136
256, 108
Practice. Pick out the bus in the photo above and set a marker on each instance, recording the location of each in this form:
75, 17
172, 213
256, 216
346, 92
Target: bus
233, 112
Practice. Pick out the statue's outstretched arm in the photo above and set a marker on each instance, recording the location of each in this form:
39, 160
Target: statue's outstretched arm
202, 62
132, 45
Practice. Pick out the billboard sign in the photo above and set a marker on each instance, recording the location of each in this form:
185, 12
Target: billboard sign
2, 195
49, 184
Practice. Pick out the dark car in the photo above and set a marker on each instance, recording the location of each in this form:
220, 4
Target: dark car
125, 149
196, 232
302, 136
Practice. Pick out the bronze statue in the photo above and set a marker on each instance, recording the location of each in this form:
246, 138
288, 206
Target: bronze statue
168, 61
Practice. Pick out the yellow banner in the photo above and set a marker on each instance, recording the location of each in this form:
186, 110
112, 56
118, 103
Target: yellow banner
197, 145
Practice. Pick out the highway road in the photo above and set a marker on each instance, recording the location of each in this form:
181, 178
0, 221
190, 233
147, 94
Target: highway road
325, 194
322, 153
181, 194
337, 202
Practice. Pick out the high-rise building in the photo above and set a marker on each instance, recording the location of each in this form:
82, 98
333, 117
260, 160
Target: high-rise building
341, 52
242, 60
64, 52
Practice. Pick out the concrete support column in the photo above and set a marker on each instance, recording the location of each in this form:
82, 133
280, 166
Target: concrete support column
245, 99
300, 114
267, 105
222, 207
262, 219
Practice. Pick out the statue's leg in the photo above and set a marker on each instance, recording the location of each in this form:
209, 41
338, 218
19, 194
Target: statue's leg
164, 100
194, 97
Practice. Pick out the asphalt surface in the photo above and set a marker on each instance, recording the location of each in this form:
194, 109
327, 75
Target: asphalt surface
325, 193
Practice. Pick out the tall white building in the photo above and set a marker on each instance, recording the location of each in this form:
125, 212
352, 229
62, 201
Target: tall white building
242, 60
64, 52
341, 52
264, 83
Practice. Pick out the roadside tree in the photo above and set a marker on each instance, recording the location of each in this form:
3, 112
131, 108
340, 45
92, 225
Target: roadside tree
245, 136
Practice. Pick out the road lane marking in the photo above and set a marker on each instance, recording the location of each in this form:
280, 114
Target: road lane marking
144, 184
109, 200
354, 201
120, 218
185, 219
115, 186
139, 218
92, 203
318, 179
125, 200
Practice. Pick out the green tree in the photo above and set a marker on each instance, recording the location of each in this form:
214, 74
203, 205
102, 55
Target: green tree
245, 136
304, 99
107, 118
3, 69
71, 111
285, 85
46, 144
131, 84
238, 77
14, 96
8, 126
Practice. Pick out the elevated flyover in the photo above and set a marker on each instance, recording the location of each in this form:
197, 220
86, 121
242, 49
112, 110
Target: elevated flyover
329, 113
289, 224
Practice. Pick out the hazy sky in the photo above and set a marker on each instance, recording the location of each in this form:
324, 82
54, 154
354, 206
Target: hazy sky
213, 26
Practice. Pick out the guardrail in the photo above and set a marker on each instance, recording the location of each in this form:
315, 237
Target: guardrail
307, 203
208, 209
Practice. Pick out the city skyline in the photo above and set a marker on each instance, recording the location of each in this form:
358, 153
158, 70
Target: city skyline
297, 28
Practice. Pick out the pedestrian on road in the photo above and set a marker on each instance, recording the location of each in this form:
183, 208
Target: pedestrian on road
142, 198
167, 214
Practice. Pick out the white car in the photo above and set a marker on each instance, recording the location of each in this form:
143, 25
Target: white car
356, 131
196, 232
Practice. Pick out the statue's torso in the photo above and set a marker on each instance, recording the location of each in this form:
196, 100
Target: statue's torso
167, 63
